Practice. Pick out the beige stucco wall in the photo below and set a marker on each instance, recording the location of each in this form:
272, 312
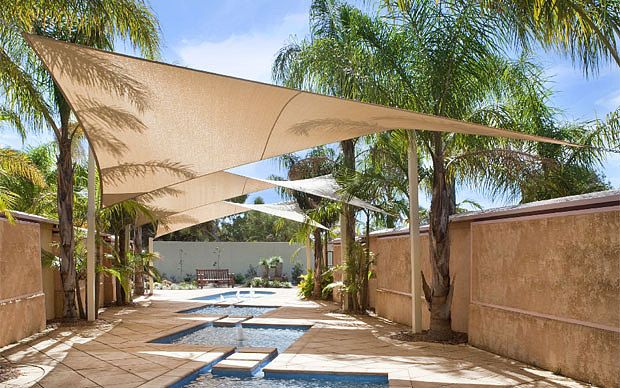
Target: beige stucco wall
546, 291
22, 302
394, 279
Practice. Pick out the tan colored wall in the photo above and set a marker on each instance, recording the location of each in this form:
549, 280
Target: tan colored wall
393, 294
546, 291
22, 302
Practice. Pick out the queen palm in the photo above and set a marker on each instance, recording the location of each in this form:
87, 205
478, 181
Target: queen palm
15, 165
446, 59
31, 94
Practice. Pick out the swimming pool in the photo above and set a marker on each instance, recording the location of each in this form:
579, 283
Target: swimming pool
232, 310
244, 335
301, 381
228, 295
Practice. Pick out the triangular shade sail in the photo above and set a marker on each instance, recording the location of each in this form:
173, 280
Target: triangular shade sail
323, 186
223, 185
222, 209
152, 125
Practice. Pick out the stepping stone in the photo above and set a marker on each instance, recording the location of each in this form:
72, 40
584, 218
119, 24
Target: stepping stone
235, 367
248, 356
270, 351
231, 321
245, 363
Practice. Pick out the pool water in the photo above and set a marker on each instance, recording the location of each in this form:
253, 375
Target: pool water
235, 295
237, 311
257, 336
208, 380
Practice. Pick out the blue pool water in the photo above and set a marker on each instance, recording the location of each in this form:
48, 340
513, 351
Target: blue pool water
233, 295
322, 381
235, 311
272, 336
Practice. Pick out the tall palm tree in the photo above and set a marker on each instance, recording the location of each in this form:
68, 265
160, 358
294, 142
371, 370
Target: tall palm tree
319, 161
305, 65
31, 94
443, 58
15, 165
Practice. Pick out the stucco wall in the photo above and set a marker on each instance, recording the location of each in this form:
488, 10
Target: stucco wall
390, 290
546, 291
22, 301
234, 256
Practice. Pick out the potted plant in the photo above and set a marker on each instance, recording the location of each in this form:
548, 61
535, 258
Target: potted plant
275, 262
264, 264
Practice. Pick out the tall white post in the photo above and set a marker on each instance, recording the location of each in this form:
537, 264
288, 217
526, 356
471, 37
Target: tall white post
150, 264
414, 235
90, 238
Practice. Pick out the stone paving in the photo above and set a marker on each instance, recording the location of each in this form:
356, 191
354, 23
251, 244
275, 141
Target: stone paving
116, 353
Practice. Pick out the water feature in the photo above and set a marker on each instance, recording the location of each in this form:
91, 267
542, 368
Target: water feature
257, 336
319, 381
235, 295
233, 310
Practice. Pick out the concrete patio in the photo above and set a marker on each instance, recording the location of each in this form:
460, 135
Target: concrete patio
116, 353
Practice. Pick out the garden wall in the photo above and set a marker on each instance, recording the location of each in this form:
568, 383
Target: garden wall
234, 256
22, 301
390, 289
538, 282
546, 290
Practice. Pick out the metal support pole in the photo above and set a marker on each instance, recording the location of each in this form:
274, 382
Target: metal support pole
150, 265
90, 238
414, 235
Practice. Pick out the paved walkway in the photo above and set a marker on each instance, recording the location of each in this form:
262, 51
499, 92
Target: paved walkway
116, 352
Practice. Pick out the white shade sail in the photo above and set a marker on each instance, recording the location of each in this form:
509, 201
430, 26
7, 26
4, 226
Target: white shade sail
323, 186
152, 125
223, 185
213, 211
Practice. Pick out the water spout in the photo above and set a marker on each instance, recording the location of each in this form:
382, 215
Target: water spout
221, 297
251, 292
240, 333
238, 295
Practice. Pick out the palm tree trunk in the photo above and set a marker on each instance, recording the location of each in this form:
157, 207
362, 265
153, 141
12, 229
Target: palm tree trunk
122, 254
98, 254
65, 218
347, 223
440, 244
318, 263
139, 266
78, 295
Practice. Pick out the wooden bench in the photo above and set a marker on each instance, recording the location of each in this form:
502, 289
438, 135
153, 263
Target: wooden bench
214, 276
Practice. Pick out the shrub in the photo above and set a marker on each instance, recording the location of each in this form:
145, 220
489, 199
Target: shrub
239, 278
259, 282
306, 285
296, 273
252, 273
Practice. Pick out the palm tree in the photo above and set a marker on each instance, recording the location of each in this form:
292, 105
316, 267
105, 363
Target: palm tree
305, 65
319, 161
31, 95
585, 30
15, 165
442, 58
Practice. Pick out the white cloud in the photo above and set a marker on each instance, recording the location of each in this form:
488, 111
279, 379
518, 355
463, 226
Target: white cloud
611, 101
247, 55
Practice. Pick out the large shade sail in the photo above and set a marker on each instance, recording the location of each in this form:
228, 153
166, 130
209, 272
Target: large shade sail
152, 125
222, 185
222, 209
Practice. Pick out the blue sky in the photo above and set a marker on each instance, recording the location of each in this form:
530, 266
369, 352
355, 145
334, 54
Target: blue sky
241, 37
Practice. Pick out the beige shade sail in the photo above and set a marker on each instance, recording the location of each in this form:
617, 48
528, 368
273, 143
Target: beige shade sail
152, 125
223, 185
213, 211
